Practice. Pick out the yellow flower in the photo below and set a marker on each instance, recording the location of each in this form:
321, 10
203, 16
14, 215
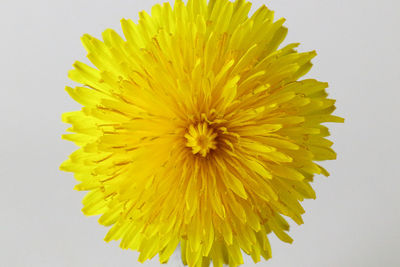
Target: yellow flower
196, 130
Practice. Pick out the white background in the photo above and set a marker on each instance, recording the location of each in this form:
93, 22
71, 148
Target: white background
353, 223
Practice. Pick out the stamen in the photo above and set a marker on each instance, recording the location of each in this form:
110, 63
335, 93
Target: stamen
201, 139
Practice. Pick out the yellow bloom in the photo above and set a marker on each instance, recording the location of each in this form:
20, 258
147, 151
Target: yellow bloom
195, 130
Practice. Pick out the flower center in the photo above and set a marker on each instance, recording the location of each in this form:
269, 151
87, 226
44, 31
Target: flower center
201, 139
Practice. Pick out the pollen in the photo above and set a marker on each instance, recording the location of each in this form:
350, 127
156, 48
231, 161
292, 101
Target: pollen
201, 139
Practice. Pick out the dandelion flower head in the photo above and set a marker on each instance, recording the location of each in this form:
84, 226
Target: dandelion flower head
196, 130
